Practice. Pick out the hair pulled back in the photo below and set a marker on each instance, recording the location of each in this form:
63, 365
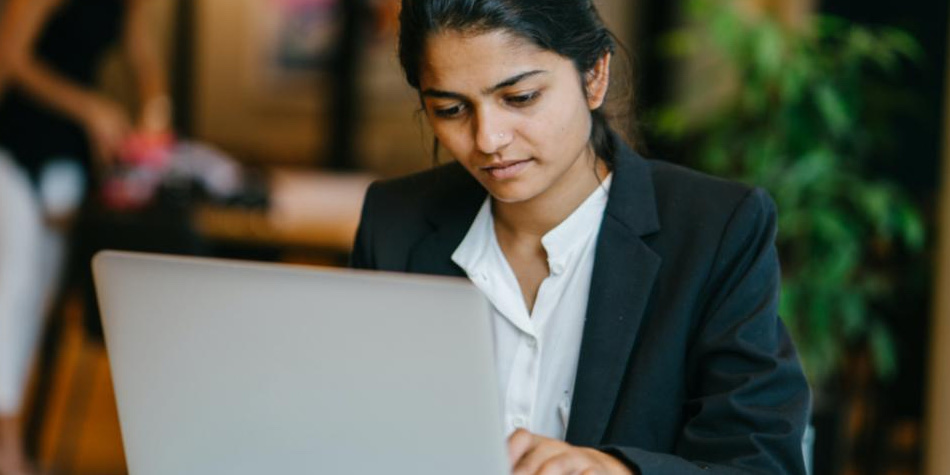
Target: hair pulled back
572, 29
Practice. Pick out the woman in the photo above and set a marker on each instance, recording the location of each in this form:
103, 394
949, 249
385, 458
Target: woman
634, 302
56, 129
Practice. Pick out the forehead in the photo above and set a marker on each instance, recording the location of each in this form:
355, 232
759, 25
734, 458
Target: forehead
459, 61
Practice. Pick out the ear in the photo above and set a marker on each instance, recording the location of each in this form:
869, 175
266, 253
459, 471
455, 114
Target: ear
597, 80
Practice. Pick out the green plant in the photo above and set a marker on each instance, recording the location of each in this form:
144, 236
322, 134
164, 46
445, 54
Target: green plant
802, 122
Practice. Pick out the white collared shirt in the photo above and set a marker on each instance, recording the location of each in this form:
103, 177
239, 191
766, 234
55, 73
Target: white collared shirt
536, 353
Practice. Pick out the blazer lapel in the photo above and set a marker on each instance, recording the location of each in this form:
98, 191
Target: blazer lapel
624, 272
452, 209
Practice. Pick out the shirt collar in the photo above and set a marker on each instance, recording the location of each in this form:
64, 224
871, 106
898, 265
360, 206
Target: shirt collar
471, 251
559, 243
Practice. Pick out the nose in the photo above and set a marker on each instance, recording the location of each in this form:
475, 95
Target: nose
492, 135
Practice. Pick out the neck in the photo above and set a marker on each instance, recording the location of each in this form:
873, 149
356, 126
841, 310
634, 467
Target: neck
537, 216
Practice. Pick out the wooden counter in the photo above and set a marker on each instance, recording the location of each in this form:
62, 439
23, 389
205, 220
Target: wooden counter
308, 209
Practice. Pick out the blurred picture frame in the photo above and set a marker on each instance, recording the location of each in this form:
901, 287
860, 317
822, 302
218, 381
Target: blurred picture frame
290, 52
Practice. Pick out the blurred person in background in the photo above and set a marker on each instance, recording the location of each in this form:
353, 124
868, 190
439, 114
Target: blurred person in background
57, 134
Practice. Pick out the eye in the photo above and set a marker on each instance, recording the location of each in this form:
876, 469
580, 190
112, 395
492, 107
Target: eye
449, 112
523, 100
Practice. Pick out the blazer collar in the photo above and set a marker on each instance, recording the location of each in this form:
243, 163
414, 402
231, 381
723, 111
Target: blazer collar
451, 208
632, 201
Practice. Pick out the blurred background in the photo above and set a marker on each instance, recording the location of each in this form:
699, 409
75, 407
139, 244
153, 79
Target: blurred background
274, 115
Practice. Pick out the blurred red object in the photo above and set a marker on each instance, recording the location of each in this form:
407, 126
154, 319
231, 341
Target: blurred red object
149, 150
142, 162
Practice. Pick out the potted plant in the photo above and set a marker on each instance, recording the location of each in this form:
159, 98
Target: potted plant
791, 108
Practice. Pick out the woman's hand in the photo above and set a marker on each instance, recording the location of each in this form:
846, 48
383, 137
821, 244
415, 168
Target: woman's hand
106, 125
532, 454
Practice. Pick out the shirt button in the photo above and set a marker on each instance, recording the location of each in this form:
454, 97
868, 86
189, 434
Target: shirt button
557, 268
532, 343
519, 422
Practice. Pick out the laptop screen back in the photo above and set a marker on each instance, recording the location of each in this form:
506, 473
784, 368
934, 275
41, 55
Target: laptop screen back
240, 368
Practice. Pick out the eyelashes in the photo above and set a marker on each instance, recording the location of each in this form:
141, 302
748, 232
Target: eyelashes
459, 109
449, 112
523, 100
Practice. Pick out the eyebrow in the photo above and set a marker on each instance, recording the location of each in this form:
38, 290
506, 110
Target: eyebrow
436, 93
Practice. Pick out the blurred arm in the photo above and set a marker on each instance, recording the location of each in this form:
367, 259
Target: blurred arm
105, 122
142, 55
20, 24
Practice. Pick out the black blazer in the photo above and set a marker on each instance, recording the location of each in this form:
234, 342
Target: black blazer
684, 365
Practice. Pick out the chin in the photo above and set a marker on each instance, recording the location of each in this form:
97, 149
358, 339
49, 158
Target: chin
511, 194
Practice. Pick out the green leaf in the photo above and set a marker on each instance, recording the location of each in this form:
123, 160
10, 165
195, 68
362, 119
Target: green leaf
794, 80
912, 227
883, 351
853, 315
716, 160
670, 122
830, 228
768, 50
843, 260
903, 44
876, 202
833, 108
814, 166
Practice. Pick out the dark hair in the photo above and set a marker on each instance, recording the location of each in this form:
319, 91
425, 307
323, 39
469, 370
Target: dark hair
570, 28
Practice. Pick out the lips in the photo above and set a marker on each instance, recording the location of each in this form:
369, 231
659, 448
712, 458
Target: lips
506, 169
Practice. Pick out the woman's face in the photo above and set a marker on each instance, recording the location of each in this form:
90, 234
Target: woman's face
514, 115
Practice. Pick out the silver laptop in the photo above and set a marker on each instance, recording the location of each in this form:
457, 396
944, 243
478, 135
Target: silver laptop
228, 367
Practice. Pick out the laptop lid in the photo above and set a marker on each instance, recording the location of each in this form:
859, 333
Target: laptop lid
248, 368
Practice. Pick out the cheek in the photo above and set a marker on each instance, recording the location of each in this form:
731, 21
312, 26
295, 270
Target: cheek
453, 138
560, 124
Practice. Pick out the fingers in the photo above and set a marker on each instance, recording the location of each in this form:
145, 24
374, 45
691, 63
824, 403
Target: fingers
107, 127
105, 148
564, 463
547, 453
531, 454
519, 443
